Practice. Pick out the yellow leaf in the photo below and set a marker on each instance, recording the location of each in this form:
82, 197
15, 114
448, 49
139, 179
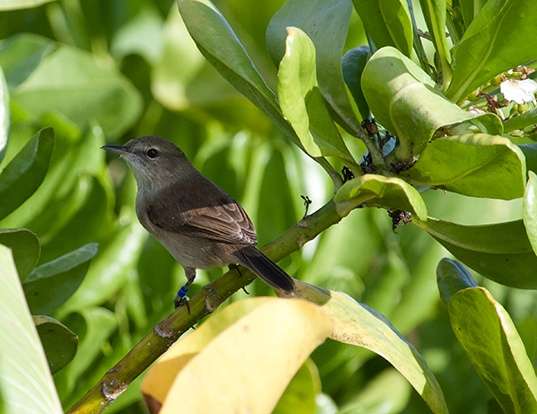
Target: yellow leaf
246, 368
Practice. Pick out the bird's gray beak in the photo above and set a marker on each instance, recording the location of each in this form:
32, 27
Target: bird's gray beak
119, 149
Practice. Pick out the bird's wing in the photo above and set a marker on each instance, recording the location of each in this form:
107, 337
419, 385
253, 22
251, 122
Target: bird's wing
212, 215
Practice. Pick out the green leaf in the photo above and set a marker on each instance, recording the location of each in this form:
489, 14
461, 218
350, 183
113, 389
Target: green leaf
326, 24
530, 210
356, 324
301, 101
21, 54
377, 190
477, 165
434, 12
25, 378
58, 341
72, 82
489, 337
25, 173
223, 49
451, 277
21, 4
25, 248
501, 252
4, 114
373, 398
486, 47
109, 271
299, 396
51, 284
403, 97
352, 65
387, 23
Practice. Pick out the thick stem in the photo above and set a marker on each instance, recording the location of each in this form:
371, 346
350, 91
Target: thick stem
163, 335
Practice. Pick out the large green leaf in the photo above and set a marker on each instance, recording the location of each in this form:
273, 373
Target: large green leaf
4, 115
501, 252
377, 190
530, 210
21, 4
25, 248
476, 165
486, 48
435, 17
301, 101
58, 341
51, 284
25, 173
25, 379
489, 337
326, 23
387, 22
71, 82
356, 324
403, 97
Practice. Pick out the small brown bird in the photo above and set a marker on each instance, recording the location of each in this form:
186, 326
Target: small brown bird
199, 224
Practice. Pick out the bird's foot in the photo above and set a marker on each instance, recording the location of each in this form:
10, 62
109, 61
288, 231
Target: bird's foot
236, 268
182, 298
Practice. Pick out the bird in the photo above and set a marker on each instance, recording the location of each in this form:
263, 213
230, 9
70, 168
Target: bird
194, 219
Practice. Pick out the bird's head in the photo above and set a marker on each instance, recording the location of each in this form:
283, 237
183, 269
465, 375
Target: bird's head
155, 161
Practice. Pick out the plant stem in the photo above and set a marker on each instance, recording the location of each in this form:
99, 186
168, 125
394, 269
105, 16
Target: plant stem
165, 333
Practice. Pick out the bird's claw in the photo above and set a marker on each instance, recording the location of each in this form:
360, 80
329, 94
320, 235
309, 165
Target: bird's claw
182, 298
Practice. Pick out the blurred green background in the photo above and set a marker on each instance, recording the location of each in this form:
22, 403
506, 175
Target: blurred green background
108, 70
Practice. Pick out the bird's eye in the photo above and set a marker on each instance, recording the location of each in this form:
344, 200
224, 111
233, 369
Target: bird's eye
152, 153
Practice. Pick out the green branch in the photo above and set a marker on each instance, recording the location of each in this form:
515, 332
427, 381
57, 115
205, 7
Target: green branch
164, 334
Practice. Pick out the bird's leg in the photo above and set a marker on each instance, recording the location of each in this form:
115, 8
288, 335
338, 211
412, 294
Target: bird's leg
182, 294
236, 267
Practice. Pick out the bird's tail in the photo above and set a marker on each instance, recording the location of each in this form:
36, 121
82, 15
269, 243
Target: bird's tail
265, 268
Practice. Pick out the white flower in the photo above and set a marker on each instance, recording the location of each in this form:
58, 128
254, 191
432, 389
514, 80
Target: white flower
520, 91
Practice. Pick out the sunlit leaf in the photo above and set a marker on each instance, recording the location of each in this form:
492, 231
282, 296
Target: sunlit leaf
477, 165
58, 341
356, 324
377, 190
25, 173
277, 324
404, 99
25, 378
326, 24
301, 101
